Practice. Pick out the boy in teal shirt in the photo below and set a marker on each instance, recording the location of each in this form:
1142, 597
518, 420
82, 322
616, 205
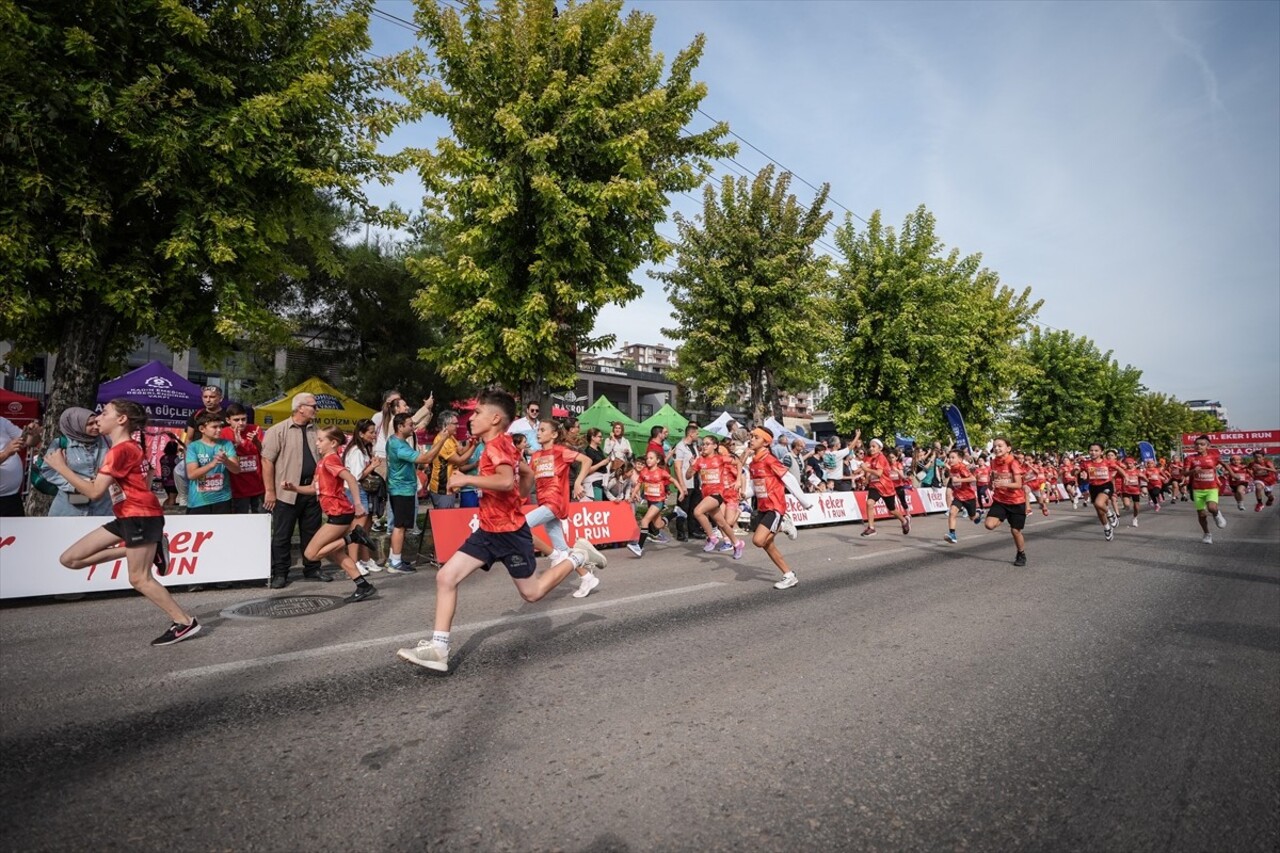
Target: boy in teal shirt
210, 460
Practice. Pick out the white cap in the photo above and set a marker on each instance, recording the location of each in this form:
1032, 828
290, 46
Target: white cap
875, 442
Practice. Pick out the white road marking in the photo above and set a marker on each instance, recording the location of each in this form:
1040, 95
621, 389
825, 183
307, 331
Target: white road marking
340, 648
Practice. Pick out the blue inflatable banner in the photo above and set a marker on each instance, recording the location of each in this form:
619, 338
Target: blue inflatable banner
956, 421
1146, 452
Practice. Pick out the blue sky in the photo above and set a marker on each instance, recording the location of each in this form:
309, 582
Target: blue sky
1121, 159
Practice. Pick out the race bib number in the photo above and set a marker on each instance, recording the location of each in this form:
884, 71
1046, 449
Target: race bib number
211, 483
544, 467
248, 464
1003, 481
117, 494
654, 492
1204, 478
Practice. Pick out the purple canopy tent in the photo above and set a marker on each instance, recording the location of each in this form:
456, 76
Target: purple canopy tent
168, 398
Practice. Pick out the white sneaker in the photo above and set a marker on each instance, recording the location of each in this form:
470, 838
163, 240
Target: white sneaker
1133, 523
428, 654
788, 580
634, 548
1240, 507
1220, 519
1075, 502
1207, 539
372, 565
362, 568
589, 582
789, 527
590, 553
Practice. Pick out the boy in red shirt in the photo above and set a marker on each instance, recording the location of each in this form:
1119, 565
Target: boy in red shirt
247, 487
1202, 466
1238, 478
771, 480
504, 481
964, 495
1009, 499
1264, 477
879, 472
1155, 483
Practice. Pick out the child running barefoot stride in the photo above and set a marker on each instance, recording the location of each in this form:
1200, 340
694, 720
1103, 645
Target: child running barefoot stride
770, 480
139, 518
504, 481
342, 517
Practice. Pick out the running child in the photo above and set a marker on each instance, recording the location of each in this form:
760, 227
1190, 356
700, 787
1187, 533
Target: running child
1036, 485
982, 478
712, 467
964, 494
1133, 482
503, 536
880, 483
342, 524
1238, 479
1202, 466
1101, 474
139, 519
1264, 478
1009, 499
551, 463
1155, 483
771, 480
653, 483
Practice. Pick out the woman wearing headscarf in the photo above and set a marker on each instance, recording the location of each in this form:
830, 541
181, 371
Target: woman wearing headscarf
85, 450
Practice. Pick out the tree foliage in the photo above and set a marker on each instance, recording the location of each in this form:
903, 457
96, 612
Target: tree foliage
1162, 420
919, 327
159, 159
566, 140
749, 296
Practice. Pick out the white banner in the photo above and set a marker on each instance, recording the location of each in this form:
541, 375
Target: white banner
831, 508
934, 500
202, 549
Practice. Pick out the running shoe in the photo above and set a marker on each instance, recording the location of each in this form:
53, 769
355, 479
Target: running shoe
400, 568
1258, 508
1075, 502
589, 582
1239, 506
906, 526
1220, 519
590, 552
951, 537
161, 558
362, 568
427, 653
1157, 507
788, 526
738, 548
711, 544
177, 633
662, 538
634, 548
1207, 539
977, 518
726, 547
359, 537
362, 592
868, 531
680, 513
1109, 532
788, 580
1133, 523
1020, 559
372, 565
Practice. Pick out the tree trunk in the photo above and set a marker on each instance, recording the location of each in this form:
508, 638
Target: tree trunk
81, 356
773, 406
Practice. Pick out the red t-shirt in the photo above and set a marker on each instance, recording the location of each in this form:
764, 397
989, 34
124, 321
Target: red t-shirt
654, 483
961, 491
1264, 471
330, 489
709, 469
131, 495
656, 447
248, 483
551, 477
766, 478
899, 474
1203, 467
983, 473
1155, 477
1034, 478
882, 485
1238, 474
1175, 473
1100, 471
501, 512
1132, 478
1004, 473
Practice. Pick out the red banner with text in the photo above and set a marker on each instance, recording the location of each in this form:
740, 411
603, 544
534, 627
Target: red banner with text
599, 521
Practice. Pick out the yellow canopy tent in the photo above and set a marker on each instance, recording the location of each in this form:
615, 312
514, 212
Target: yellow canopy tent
333, 408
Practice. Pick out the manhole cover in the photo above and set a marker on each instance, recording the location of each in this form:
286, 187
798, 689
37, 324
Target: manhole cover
283, 608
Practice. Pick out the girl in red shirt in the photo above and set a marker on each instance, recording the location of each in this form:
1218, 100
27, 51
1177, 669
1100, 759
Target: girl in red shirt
770, 481
1238, 478
139, 519
551, 464
333, 486
653, 482
1009, 500
713, 469
1264, 477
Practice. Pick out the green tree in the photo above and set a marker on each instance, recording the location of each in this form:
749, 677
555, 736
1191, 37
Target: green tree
919, 327
1059, 405
1162, 420
750, 297
566, 141
1119, 393
159, 160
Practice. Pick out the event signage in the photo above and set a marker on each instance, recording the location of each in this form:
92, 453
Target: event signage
202, 549
1243, 442
600, 521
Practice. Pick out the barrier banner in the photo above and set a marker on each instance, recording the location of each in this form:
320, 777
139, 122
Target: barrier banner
202, 549
830, 508
934, 500
599, 521
915, 504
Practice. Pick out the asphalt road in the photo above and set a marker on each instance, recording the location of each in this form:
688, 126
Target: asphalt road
907, 695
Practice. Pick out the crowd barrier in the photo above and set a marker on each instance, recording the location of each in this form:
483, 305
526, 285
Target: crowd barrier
202, 549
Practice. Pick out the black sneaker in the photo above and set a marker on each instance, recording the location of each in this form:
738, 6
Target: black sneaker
278, 582
1020, 560
359, 537
161, 558
362, 592
177, 633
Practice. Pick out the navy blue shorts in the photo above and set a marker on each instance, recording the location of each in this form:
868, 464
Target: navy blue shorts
514, 550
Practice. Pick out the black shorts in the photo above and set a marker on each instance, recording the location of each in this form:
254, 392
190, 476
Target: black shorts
220, 508
514, 550
345, 519
843, 485
890, 501
137, 530
970, 506
719, 499
1015, 514
771, 520
1108, 489
402, 506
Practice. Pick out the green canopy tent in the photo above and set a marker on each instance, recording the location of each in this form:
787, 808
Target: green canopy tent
666, 417
601, 414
